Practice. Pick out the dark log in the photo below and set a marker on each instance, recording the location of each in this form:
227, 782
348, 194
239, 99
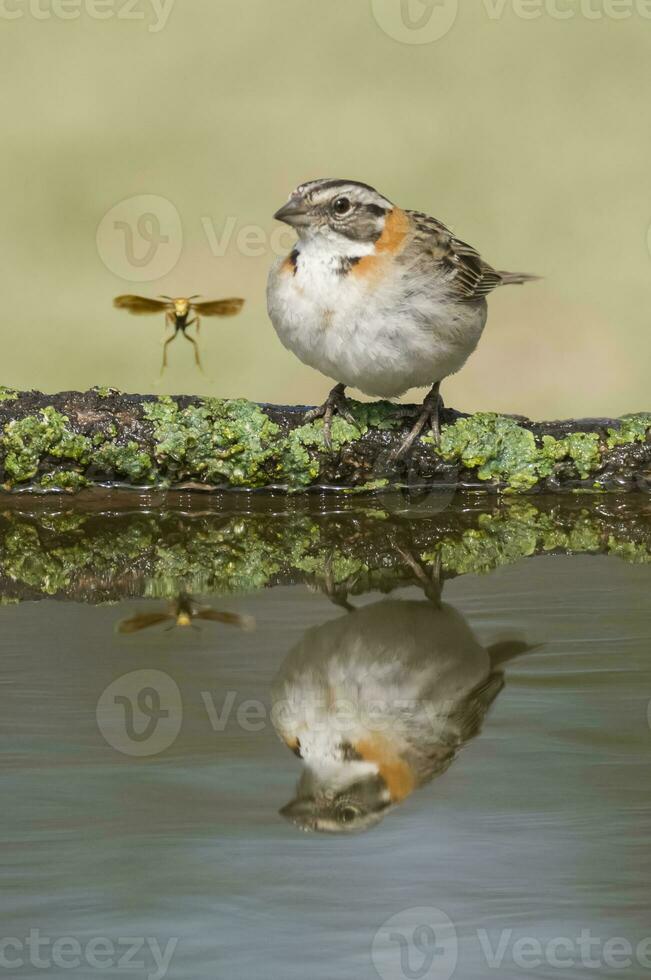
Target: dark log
72, 440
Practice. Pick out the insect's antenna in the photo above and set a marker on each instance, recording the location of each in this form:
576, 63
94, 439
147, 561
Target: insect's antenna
195, 296
166, 297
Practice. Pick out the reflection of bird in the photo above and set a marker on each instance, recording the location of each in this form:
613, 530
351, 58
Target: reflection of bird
177, 312
182, 611
377, 298
379, 702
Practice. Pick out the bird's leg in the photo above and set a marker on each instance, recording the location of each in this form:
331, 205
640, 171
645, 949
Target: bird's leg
337, 594
430, 413
335, 402
431, 585
169, 319
191, 340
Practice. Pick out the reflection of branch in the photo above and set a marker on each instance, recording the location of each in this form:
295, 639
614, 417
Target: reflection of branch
80, 553
73, 440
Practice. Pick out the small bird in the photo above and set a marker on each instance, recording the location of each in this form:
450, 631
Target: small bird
376, 297
379, 702
182, 612
177, 312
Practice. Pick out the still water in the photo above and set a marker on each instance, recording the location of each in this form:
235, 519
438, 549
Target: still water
418, 749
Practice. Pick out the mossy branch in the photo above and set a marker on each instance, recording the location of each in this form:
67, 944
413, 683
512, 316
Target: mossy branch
73, 440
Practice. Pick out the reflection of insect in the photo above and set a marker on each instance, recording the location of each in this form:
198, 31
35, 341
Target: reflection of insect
177, 312
183, 610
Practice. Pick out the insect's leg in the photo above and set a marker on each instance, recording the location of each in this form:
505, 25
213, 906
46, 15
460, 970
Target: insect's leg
169, 319
191, 340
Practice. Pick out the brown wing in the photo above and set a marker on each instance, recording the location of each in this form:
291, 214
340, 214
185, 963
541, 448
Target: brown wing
435, 247
219, 307
139, 304
142, 622
231, 619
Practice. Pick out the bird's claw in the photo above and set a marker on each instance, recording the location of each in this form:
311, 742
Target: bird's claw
430, 414
335, 402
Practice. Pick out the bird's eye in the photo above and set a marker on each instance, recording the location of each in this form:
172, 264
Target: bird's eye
342, 206
348, 814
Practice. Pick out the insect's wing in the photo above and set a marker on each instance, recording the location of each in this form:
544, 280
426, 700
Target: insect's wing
231, 619
142, 621
219, 307
139, 304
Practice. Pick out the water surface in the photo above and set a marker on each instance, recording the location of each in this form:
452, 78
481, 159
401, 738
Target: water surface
527, 840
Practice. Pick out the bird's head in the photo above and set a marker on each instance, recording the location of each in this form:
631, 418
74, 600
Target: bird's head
338, 799
341, 210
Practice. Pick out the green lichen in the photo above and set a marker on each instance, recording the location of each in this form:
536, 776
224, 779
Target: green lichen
631, 428
296, 465
69, 480
636, 553
128, 461
501, 450
27, 442
380, 415
105, 391
216, 441
340, 568
300, 454
502, 539
8, 394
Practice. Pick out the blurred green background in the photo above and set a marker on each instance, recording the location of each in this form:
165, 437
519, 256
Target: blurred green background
528, 133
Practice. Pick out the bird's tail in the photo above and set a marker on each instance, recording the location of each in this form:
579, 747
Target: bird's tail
505, 650
516, 278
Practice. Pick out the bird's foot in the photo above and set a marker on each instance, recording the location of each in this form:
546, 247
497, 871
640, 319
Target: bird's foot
430, 415
335, 402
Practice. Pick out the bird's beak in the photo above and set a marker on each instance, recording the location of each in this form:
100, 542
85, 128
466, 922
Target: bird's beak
294, 213
301, 813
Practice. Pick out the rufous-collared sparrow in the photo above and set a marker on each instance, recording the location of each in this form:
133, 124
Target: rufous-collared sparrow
376, 297
379, 702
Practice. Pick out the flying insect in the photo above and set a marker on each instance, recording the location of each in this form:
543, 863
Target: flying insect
182, 612
178, 311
